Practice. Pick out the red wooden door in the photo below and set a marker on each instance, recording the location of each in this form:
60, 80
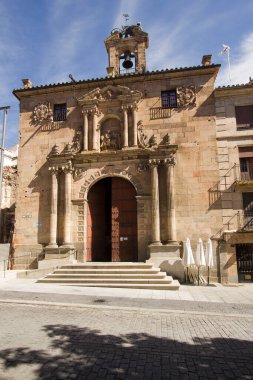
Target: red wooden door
124, 221
112, 221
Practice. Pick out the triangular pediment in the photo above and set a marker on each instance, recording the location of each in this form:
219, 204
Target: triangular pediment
109, 93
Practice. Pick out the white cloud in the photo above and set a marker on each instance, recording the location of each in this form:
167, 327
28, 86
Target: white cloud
241, 63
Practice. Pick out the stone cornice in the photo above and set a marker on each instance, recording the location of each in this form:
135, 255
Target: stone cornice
115, 156
120, 80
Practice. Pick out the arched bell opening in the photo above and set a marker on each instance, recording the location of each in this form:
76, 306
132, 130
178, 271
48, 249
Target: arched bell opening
112, 221
127, 62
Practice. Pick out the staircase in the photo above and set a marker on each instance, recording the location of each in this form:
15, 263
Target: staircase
112, 275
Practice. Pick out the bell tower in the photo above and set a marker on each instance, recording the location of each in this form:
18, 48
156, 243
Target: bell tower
126, 49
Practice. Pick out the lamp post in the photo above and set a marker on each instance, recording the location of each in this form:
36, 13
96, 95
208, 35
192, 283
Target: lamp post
2, 148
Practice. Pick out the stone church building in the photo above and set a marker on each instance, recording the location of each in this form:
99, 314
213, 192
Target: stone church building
118, 168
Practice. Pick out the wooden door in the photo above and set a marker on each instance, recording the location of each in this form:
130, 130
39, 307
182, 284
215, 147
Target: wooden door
98, 228
124, 221
112, 221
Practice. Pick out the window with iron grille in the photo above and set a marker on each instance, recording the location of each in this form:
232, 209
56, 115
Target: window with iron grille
169, 99
60, 112
244, 117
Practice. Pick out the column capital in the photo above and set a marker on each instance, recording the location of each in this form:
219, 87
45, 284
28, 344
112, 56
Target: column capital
91, 110
67, 168
170, 160
154, 162
54, 170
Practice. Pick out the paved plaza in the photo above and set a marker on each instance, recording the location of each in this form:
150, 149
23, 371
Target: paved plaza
65, 332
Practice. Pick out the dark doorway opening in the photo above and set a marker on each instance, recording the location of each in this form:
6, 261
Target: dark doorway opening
244, 256
112, 221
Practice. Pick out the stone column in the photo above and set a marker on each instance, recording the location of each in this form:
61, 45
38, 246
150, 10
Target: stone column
67, 206
170, 201
125, 127
134, 111
53, 209
85, 129
94, 129
155, 212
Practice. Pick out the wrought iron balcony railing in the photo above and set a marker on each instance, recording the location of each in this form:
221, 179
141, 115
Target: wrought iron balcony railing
241, 221
160, 113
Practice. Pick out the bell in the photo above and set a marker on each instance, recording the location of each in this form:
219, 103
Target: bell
127, 64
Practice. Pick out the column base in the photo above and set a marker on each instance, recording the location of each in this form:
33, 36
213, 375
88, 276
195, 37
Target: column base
155, 243
167, 258
59, 252
51, 246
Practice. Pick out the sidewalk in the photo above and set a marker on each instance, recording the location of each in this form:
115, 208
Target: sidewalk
213, 299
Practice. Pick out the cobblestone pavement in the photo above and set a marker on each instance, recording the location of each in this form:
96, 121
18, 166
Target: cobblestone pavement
53, 342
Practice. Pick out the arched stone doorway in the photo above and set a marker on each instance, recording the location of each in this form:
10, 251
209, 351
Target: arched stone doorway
112, 221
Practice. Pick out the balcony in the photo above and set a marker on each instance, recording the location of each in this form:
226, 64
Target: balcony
241, 221
160, 113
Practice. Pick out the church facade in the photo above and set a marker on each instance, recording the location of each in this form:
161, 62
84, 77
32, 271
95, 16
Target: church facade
119, 168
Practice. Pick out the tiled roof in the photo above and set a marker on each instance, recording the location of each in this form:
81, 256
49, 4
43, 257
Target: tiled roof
243, 85
119, 77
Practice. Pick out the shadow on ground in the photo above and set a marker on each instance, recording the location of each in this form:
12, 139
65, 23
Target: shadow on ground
81, 353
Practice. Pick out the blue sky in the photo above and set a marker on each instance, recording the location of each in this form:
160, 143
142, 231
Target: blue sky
46, 40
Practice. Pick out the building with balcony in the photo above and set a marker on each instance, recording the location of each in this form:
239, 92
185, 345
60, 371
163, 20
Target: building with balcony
233, 193
124, 168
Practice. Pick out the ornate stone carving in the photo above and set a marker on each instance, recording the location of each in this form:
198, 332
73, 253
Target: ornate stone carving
186, 96
142, 167
166, 139
54, 151
42, 112
108, 93
143, 141
153, 141
77, 142
110, 140
170, 160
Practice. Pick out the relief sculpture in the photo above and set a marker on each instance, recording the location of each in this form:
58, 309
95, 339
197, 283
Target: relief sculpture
42, 112
110, 140
186, 96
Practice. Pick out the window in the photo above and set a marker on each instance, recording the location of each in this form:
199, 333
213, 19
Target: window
246, 163
60, 112
244, 117
169, 99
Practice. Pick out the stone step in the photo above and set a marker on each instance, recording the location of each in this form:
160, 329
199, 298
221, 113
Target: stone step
108, 271
174, 285
158, 276
50, 279
109, 265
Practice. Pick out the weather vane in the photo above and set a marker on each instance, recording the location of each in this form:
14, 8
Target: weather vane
126, 17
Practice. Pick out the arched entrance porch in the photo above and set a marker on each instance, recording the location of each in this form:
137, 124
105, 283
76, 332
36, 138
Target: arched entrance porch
112, 221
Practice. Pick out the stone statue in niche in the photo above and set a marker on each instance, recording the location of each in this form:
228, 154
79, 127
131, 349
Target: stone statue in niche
186, 96
77, 141
110, 140
42, 112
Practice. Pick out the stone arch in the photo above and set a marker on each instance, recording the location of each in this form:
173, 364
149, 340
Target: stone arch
90, 181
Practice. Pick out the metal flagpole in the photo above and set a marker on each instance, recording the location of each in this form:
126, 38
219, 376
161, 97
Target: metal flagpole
2, 148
